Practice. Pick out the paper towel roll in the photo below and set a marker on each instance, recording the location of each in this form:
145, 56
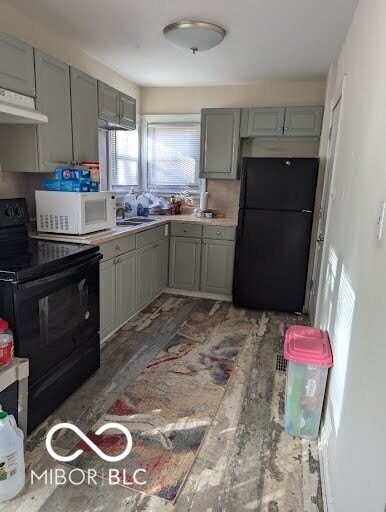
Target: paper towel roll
204, 201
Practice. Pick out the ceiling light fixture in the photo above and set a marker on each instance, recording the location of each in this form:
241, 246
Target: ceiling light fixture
195, 36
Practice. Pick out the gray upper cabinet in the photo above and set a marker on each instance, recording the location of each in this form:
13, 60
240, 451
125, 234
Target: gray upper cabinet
17, 71
116, 107
220, 143
185, 257
84, 107
127, 111
262, 122
53, 99
217, 266
108, 103
303, 121
126, 287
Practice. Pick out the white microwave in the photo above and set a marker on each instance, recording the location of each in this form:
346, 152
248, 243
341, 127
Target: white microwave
74, 213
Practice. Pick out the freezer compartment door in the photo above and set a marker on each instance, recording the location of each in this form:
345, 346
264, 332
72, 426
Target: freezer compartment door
271, 260
279, 183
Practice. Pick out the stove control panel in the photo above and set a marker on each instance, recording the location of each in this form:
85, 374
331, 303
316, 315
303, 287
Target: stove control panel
13, 212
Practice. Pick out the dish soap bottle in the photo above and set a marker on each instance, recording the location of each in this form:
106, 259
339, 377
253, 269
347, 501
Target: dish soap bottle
12, 470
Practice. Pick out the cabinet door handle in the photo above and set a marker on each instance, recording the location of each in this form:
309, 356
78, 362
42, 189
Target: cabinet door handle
197, 241
119, 260
155, 245
204, 242
117, 248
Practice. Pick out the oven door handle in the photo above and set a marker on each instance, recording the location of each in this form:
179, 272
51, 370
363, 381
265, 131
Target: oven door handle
57, 276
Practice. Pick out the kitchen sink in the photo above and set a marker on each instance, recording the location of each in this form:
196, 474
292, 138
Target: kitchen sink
134, 221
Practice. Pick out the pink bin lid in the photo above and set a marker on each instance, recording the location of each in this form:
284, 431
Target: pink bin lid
307, 345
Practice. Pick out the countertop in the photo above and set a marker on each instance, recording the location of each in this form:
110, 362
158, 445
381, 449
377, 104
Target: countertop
107, 235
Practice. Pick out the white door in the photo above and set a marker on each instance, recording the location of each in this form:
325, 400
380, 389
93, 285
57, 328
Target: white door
325, 204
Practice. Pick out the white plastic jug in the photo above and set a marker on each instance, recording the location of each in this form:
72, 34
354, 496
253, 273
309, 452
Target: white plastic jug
12, 471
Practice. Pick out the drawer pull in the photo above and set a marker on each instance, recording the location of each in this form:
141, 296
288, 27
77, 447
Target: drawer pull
117, 248
185, 230
218, 232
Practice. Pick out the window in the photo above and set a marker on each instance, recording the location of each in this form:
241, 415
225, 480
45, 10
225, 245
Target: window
123, 158
171, 153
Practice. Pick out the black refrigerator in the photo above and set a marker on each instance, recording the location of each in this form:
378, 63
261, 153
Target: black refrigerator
273, 235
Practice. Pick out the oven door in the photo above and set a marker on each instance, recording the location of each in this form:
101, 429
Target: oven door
56, 320
97, 212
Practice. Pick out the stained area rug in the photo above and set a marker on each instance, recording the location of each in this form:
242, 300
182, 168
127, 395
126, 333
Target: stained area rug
171, 404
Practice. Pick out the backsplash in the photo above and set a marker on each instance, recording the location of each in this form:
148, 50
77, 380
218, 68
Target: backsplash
224, 196
22, 184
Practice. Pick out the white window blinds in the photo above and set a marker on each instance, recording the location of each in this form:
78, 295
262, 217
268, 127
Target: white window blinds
123, 155
173, 150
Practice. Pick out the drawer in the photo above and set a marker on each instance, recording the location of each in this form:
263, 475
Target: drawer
150, 236
117, 247
220, 232
189, 230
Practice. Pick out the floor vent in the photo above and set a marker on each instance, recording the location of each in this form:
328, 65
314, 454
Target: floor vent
281, 363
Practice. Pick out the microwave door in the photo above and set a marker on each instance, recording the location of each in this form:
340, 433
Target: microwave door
97, 213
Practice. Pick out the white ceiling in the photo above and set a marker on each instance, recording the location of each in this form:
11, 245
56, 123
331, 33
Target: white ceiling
291, 39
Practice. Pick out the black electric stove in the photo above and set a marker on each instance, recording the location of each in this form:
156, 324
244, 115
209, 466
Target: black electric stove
49, 293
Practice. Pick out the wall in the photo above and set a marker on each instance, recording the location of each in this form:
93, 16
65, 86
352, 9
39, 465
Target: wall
352, 302
266, 93
13, 22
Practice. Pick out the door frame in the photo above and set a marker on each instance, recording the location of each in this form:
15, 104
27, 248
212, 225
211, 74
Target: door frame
338, 97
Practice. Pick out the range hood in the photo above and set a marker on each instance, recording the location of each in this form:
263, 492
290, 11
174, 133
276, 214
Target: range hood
19, 109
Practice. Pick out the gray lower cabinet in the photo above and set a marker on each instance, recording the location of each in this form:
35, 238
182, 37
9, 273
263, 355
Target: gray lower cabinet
161, 266
107, 298
129, 278
17, 70
144, 271
84, 108
303, 121
217, 266
126, 287
185, 257
108, 103
53, 99
117, 292
262, 122
220, 143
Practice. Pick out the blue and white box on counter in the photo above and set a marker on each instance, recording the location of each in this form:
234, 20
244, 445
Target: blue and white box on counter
94, 187
75, 186
67, 185
72, 174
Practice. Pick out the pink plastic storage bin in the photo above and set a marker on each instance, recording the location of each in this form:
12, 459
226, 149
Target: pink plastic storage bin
309, 357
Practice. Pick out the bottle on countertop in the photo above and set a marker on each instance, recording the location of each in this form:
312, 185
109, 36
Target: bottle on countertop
143, 205
12, 468
131, 205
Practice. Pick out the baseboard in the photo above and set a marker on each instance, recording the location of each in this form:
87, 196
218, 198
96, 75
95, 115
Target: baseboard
203, 295
328, 505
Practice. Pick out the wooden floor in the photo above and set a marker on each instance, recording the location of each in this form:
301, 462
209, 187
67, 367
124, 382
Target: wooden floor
246, 462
